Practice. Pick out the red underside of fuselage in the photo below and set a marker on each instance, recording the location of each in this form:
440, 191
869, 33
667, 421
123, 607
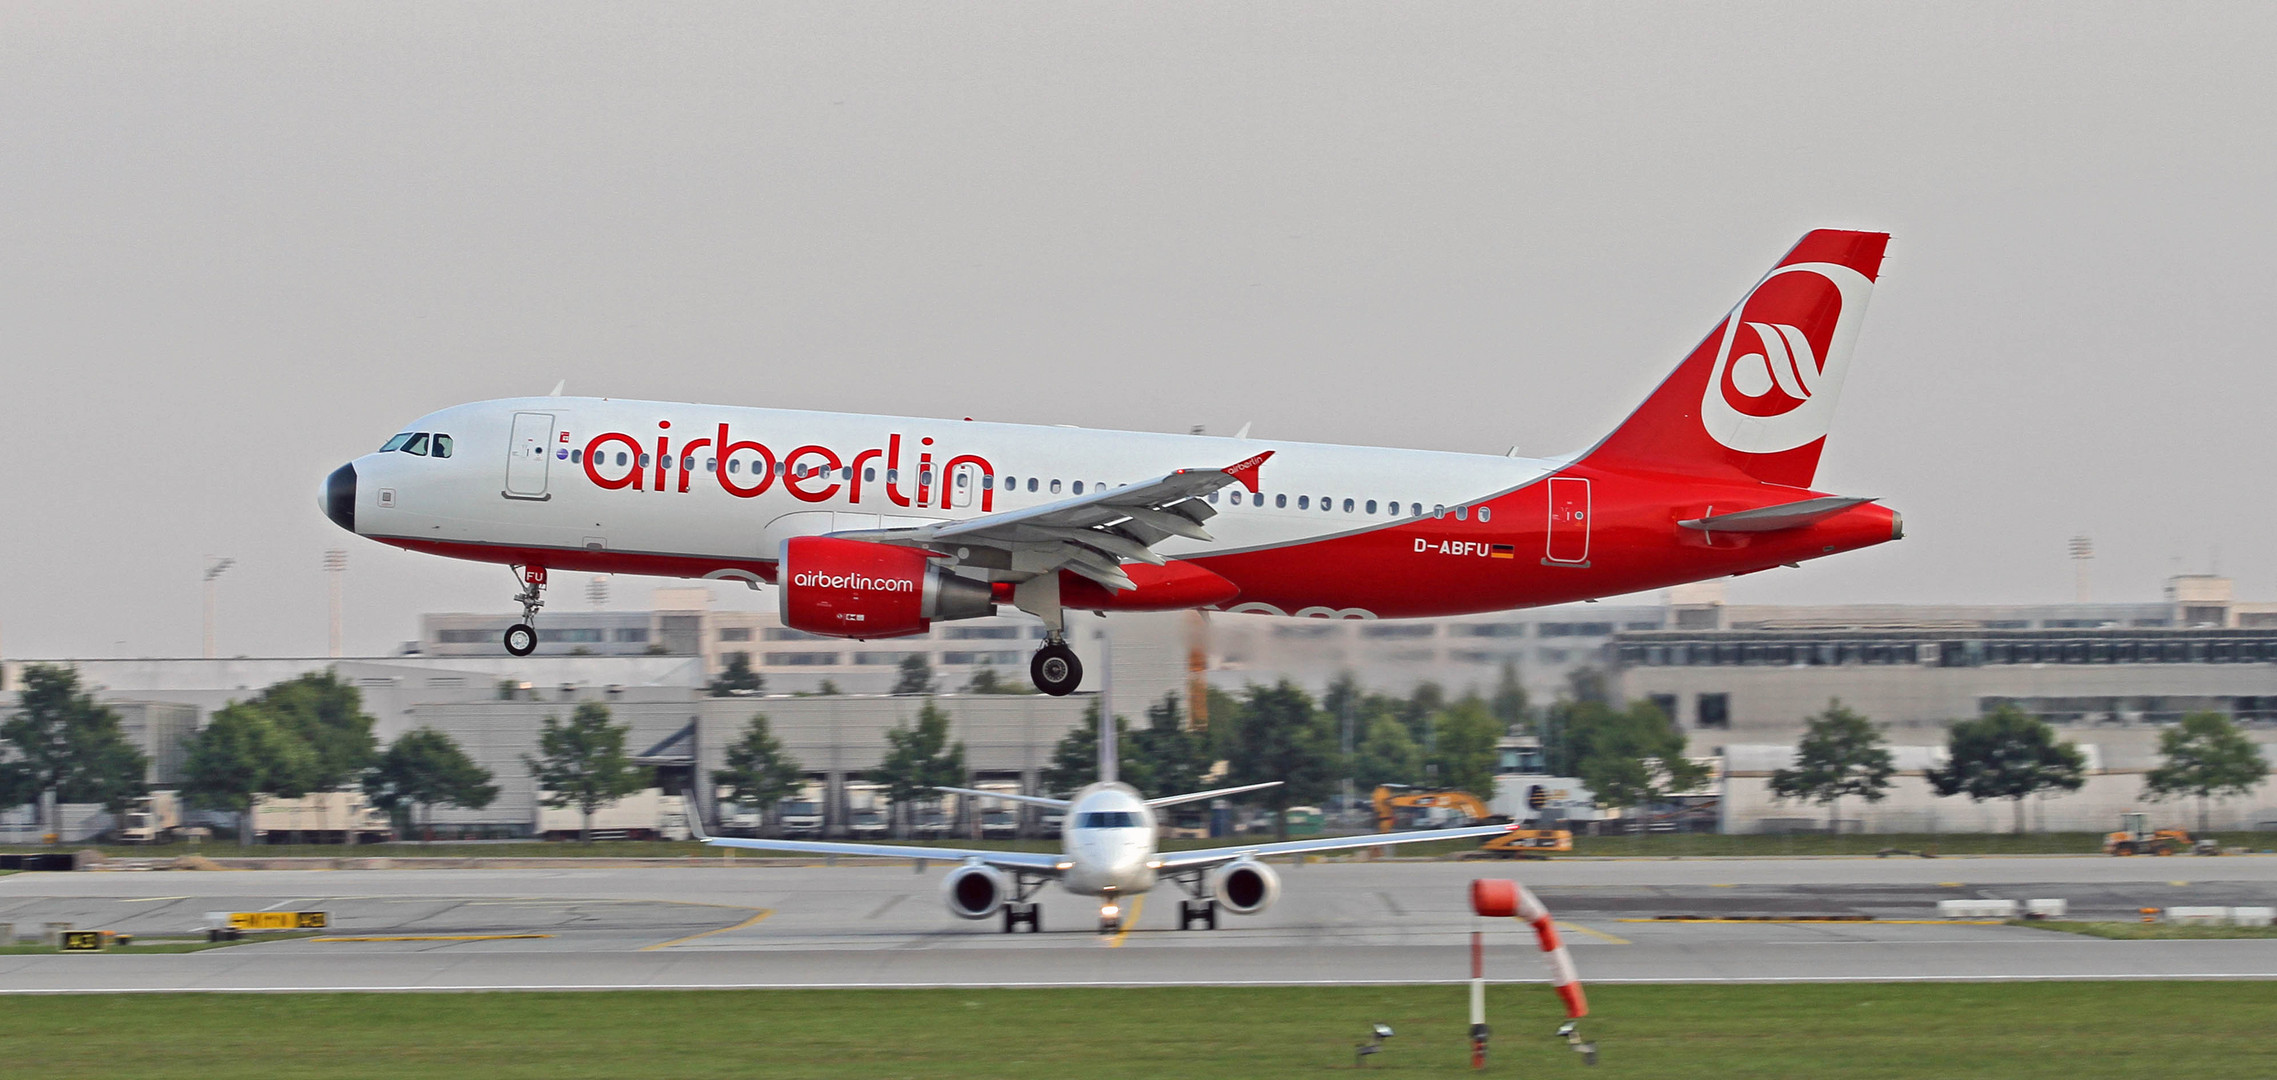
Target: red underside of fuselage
1410, 568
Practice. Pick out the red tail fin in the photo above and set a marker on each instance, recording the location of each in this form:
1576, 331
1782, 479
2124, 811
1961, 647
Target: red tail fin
1758, 393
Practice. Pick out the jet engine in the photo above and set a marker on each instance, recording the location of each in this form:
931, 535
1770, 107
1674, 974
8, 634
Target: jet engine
975, 892
857, 589
1245, 886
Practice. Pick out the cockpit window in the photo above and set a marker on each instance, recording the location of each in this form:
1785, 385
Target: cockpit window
441, 446
396, 443
417, 445
1107, 819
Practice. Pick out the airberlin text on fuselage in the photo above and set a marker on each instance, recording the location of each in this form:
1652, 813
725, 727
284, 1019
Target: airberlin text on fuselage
809, 473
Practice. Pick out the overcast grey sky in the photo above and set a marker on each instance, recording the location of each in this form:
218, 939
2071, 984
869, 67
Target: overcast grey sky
240, 244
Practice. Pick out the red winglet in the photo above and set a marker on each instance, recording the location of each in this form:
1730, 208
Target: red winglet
1246, 471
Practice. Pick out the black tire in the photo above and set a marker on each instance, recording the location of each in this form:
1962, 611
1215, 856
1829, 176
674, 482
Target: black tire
521, 639
1055, 670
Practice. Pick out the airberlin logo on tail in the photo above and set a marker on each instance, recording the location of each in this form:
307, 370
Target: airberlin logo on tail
808, 579
1782, 358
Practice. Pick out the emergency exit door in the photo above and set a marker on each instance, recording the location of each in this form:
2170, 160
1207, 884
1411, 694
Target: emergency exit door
526, 455
1569, 521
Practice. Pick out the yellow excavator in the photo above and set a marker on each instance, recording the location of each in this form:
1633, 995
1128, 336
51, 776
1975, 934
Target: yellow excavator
1400, 807
2135, 837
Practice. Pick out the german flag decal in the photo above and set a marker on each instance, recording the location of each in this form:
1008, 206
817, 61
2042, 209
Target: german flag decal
1503, 551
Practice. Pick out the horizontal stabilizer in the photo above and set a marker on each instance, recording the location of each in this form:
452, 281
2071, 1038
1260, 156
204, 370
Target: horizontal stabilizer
1792, 515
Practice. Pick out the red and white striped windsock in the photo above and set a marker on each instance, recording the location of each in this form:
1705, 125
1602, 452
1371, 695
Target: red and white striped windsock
1498, 899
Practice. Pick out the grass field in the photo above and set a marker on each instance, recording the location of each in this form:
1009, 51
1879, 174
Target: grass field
2142, 931
1842, 1031
1666, 846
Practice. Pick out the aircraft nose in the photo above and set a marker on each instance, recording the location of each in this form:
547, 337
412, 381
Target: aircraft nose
339, 497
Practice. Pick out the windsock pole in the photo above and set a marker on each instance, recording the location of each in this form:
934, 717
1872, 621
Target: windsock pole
1478, 996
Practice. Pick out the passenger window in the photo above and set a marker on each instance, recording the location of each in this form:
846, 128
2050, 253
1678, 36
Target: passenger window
870, 475
1213, 497
1485, 515
1236, 496
893, 476
441, 446
1031, 483
1280, 501
925, 478
577, 457
1415, 509
1348, 506
667, 461
963, 480
396, 443
620, 457
733, 465
987, 482
417, 445
1079, 487
1462, 513
1327, 502
1439, 511
644, 461
1304, 502
711, 464
1371, 506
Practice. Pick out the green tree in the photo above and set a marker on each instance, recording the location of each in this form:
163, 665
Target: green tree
829, 688
1629, 757
2206, 757
1841, 753
422, 769
244, 751
919, 758
1075, 758
738, 678
1425, 702
327, 713
583, 763
1385, 754
916, 676
1283, 737
1509, 704
1164, 758
2007, 754
61, 741
758, 772
1463, 750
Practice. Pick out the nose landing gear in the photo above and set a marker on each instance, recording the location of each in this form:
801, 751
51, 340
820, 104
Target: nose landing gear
1055, 669
522, 637
1110, 917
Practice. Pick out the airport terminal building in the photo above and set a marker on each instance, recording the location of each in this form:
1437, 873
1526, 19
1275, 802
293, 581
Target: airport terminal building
1740, 680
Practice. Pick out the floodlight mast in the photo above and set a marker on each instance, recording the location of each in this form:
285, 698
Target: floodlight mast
214, 569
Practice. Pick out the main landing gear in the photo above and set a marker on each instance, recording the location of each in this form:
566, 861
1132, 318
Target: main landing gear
1055, 669
522, 637
1198, 907
1030, 913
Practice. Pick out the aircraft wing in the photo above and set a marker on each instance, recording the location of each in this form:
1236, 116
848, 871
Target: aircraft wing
1188, 860
1090, 534
1026, 862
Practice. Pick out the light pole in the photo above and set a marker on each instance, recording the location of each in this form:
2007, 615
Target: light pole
2082, 549
214, 569
336, 565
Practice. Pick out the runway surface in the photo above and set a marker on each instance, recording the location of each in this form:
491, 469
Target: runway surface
784, 926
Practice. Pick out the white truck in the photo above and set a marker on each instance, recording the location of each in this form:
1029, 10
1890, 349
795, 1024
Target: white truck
801, 814
153, 819
320, 817
642, 815
867, 816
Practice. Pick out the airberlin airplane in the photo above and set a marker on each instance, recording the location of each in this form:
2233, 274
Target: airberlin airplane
880, 526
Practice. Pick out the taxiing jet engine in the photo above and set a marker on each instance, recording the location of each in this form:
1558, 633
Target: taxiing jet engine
1245, 887
976, 892
857, 589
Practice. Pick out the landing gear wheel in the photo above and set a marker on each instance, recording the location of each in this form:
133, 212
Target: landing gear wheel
1110, 926
521, 639
1055, 669
1017, 913
1197, 911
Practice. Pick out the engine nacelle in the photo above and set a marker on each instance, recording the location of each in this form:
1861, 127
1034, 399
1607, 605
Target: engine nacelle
975, 892
857, 589
1245, 886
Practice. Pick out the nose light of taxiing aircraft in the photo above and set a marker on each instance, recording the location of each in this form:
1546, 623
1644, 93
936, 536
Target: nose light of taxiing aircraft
339, 499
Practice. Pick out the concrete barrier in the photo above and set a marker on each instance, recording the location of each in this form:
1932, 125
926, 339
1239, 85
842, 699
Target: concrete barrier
7, 933
2252, 916
2046, 909
51, 934
1976, 909
2198, 916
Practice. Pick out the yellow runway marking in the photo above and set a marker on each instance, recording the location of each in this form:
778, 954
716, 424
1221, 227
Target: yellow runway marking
752, 921
1598, 934
1949, 885
150, 899
438, 937
1138, 904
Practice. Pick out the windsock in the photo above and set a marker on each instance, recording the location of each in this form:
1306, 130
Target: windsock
1498, 899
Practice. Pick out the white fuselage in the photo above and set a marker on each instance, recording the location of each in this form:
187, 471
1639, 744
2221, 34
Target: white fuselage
1108, 840
870, 471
